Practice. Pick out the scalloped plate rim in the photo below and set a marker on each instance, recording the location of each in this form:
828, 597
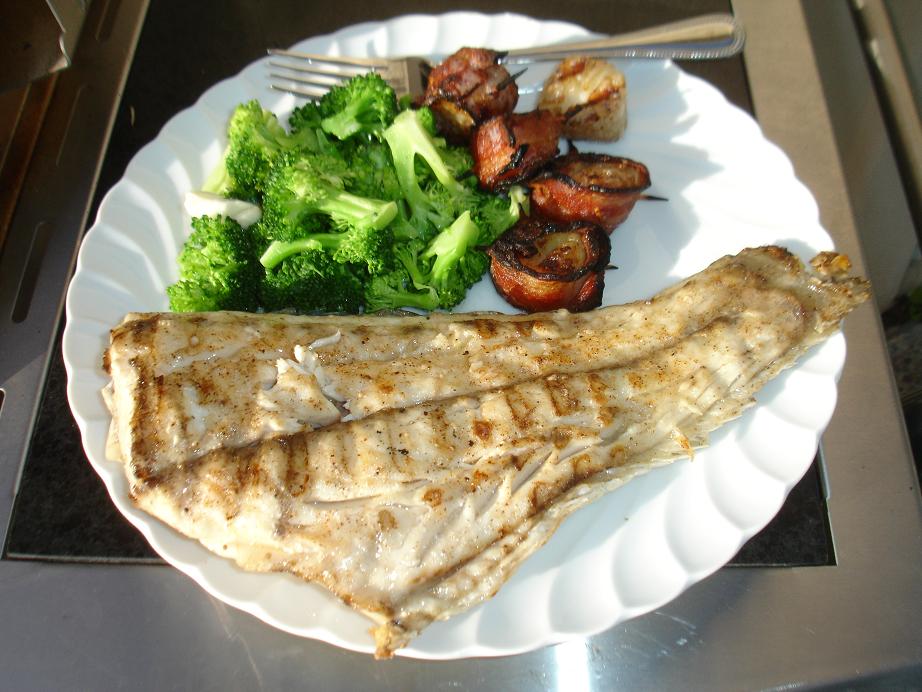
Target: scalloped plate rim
198, 570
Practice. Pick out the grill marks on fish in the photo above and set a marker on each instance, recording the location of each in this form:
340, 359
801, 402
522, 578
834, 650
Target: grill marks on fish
248, 364
417, 511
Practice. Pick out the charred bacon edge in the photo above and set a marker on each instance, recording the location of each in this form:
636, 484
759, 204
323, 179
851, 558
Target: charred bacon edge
507, 251
444, 92
600, 158
515, 159
514, 162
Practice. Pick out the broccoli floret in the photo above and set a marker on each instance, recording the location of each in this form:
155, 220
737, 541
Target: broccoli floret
255, 138
311, 281
427, 121
456, 266
354, 196
306, 207
365, 104
450, 246
191, 296
305, 117
494, 214
393, 291
219, 181
459, 160
367, 245
409, 139
443, 270
312, 186
217, 268
304, 122
372, 171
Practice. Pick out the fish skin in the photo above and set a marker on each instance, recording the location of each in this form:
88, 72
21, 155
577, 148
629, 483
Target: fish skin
417, 511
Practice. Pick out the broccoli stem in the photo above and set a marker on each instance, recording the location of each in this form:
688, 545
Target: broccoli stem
407, 139
279, 251
451, 244
353, 210
219, 180
348, 121
384, 293
421, 301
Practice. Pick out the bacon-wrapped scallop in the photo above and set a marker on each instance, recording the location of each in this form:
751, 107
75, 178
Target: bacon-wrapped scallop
591, 95
540, 265
465, 89
510, 148
598, 188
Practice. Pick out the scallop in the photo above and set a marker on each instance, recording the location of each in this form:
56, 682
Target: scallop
591, 95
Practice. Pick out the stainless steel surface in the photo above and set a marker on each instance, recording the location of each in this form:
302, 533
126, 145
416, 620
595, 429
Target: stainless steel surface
112, 626
70, 15
876, 197
38, 37
702, 38
895, 64
22, 113
40, 248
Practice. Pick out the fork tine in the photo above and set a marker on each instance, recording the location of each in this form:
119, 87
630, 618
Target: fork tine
325, 82
307, 92
320, 81
343, 71
331, 59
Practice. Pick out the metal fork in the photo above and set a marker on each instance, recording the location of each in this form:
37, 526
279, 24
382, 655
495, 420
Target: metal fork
702, 38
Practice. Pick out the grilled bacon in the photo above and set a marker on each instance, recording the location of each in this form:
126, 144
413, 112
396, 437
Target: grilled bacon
465, 89
538, 265
510, 148
597, 188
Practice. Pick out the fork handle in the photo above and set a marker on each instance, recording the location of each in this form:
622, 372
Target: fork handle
706, 37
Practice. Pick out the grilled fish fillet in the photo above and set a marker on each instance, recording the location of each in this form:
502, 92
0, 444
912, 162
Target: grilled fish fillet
425, 503
182, 385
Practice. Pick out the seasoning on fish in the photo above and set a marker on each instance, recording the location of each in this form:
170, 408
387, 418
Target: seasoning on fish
510, 148
228, 379
597, 188
420, 510
539, 265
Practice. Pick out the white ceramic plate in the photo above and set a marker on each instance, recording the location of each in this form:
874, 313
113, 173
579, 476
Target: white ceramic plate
728, 188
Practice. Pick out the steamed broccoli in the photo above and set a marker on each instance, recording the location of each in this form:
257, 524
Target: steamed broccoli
438, 274
305, 117
219, 181
408, 139
366, 245
218, 269
312, 281
493, 214
363, 206
255, 138
371, 170
394, 290
312, 186
365, 104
